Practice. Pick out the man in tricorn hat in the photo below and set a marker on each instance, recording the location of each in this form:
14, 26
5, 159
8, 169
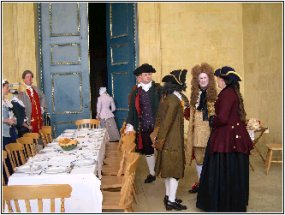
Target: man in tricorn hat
143, 106
169, 141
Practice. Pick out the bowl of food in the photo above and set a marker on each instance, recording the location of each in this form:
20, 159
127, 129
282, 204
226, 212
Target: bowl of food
67, 144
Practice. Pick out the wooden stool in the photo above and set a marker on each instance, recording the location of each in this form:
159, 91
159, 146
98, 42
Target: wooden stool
272, 147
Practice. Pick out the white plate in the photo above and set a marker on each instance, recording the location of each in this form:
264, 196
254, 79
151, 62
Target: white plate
69, 130
67, 135
85, 162
48, 149
52, 144
27, 169
56, 169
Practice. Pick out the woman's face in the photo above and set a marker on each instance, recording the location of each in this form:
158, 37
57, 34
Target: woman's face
203, 80
5, 89
221, 83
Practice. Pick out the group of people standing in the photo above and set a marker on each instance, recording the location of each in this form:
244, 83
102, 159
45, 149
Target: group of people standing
217, 137
23, 113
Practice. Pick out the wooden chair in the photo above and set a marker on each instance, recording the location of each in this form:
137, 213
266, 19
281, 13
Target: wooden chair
16, 153
35, 136
271, 148
118, 167
29, 145
115, 182
6, 170
87, 123
123, 200
46, 134
116, 151
39, 192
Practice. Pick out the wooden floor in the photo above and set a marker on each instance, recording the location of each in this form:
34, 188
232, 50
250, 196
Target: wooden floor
265, 193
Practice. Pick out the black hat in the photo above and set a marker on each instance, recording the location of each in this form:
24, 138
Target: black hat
176, 77
227, 73
145, 68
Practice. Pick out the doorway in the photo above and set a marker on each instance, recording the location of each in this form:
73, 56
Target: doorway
97, 51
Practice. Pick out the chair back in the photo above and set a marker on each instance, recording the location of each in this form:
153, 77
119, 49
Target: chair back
128, 146
46, 134
6, 170
127, 190
35, 136
87, 123
38, 192
16, 153
29, 145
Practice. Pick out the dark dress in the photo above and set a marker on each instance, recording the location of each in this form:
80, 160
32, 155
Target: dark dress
224, 181
20, 113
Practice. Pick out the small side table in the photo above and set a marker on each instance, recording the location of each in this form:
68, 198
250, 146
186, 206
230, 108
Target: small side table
260, 132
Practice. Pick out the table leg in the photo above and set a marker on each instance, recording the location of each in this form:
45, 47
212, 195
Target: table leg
259, 153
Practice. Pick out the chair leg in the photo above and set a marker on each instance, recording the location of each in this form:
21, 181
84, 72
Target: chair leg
269, 161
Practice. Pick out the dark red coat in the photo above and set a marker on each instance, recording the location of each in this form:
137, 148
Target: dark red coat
229, 134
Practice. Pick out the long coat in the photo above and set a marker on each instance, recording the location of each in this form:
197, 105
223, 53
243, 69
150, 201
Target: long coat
26, 100
229, 133
133, 115
170, 161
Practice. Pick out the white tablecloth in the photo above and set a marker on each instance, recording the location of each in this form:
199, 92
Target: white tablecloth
86, 195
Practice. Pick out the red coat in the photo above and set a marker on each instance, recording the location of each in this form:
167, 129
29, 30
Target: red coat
229, 134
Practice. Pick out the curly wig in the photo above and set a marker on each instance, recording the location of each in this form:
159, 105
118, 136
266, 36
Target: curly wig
211, 90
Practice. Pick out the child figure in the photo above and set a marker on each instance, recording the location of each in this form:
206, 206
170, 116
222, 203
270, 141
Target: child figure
105, 108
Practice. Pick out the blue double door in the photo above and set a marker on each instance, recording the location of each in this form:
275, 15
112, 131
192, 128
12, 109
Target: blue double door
64, 59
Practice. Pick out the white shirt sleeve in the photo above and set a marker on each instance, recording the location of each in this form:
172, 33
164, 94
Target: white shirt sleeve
129, 127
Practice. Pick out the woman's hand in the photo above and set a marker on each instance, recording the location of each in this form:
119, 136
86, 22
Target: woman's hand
10, 121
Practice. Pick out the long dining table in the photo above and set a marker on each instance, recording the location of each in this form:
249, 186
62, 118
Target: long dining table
80, 168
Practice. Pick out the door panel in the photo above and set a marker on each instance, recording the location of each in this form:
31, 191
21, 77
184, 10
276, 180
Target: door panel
65, 68
121, 60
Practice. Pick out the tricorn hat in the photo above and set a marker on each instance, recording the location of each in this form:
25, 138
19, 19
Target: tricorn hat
145, 68
228, 73
176, 77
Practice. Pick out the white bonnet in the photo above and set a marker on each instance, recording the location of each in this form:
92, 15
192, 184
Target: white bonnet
102, 90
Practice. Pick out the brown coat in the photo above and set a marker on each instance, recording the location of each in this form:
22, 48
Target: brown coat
198, 134
170, 160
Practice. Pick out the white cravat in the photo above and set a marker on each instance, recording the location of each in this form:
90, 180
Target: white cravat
31, 90
146, 87
178, 95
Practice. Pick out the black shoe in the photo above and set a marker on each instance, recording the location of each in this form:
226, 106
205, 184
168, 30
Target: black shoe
175, 205
194, 188
166, 199
150, 178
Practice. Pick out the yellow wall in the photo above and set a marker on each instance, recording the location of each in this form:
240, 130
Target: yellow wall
245, 36
262, 24
19, 51
181, 35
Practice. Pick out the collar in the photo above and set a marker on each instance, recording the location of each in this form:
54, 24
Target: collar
30, 87
16, 99
146, 87
178, 95
7, 103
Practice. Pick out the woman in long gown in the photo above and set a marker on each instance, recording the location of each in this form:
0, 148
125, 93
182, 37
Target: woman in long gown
224, 182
